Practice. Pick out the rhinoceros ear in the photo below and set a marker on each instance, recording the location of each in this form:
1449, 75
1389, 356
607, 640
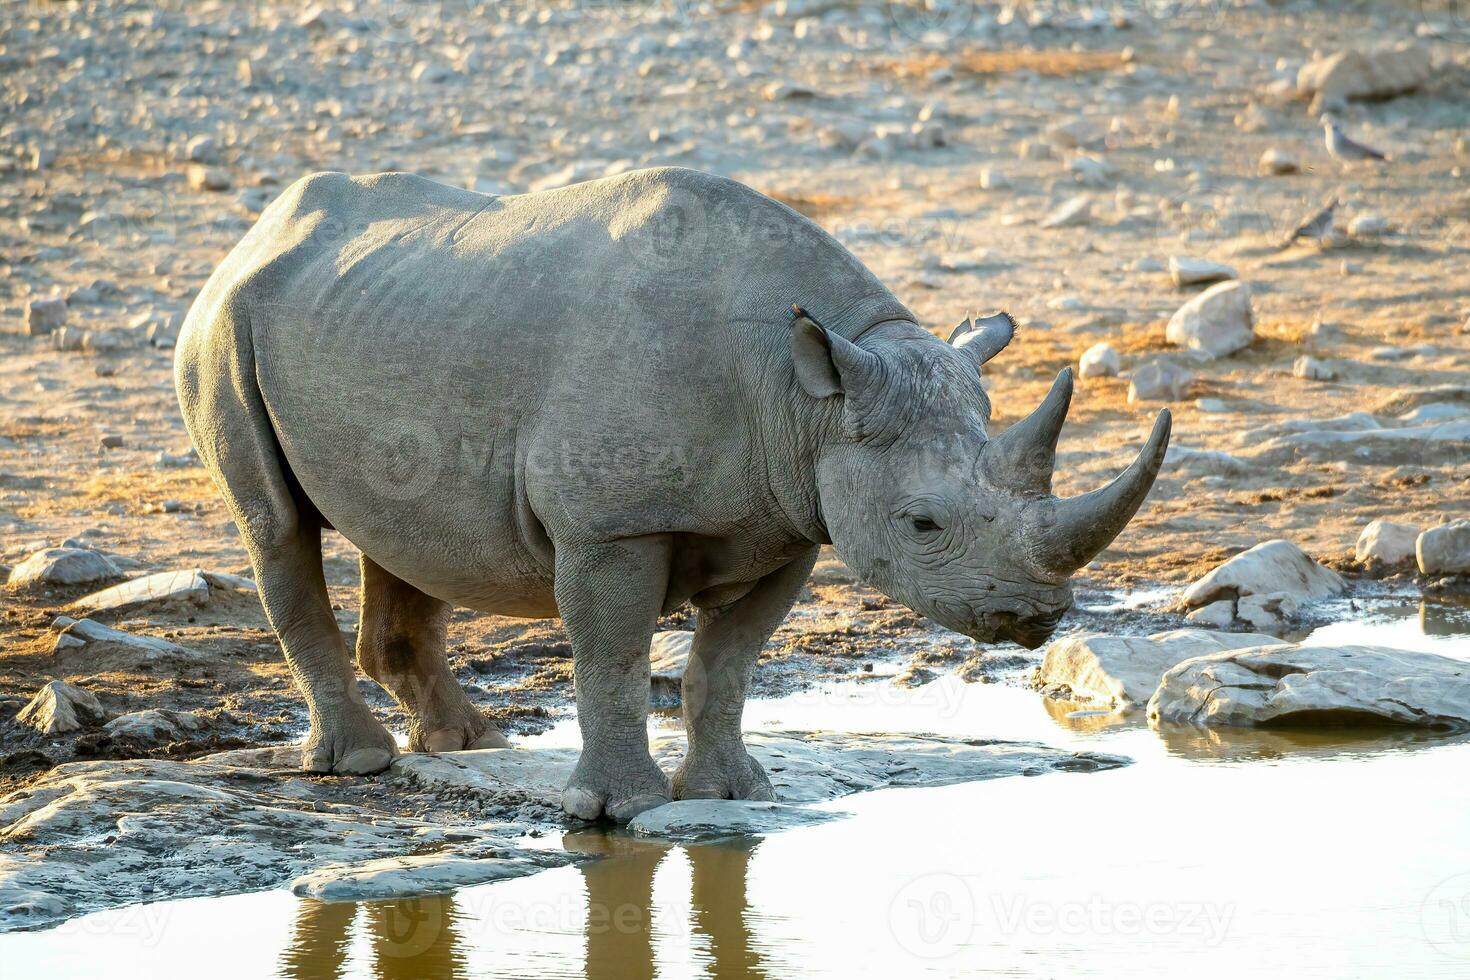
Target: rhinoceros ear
985, 337
827, 364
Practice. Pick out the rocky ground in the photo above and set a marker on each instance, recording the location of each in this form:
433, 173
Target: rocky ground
1088, 168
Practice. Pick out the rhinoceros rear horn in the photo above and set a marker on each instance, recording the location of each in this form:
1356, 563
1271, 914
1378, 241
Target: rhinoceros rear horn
1082, 526
1021, 458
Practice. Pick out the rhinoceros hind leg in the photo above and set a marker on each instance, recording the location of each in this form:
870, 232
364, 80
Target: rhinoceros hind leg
281, 529
727, 642
609, 596
400, 644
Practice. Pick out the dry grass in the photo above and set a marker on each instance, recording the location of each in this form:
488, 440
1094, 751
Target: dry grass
817, 205
1053, 62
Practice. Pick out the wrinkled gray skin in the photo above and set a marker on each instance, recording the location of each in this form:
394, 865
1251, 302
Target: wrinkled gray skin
597, 403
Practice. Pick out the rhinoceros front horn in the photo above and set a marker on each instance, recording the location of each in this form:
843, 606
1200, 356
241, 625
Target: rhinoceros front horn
1021, 460
1082, 526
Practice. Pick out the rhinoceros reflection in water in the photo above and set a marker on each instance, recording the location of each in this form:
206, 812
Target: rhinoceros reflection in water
418, 938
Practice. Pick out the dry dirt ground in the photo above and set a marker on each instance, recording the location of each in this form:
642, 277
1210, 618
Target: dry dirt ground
933, 148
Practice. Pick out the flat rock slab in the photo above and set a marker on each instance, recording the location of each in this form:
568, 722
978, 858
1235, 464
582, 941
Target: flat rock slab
101, 647
93, 835
96, 835
1315, 686
690, 820
804, 766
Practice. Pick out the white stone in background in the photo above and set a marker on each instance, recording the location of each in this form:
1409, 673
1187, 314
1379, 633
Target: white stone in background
45, 315
1305, 684
201, 178
1091, 170
1070, 213
1312, 369
706, 819
1212, 405
182, 586
202, 149
62, 566
1276, 163
1276, 566
1123, 671
1445, 550
1387, 542
60, 707
1270, 612
1217, 322
1367, 226
1332, 80
156, 724
668, 656
1184, 461
1188, 272
1219, 614
104, 645
1099, 361
993, 180
1158, 381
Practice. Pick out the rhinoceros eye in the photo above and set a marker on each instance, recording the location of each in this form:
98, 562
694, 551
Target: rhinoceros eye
923, 523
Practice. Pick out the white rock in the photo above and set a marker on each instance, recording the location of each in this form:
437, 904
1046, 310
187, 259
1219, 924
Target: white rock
1332, 80
201, 178
1185, 461
183, 586
107, 648
1276, 163
62, 566
993, 180
1100, 360
1123, 671
1212, 405
668, 656
1387, 542
1378, 447
1276, 566
155, 724
1158, 381
60, 707
1219, 614
1315, 684
1445, 550
1367, 226
1187, 272
707, 819
1217, 322
1070, 213
1313, 369
1090, 170
45, 315
1269, 612
202, 149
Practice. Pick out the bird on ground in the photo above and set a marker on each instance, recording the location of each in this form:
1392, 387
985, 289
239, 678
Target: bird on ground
1343, 147
1317, 226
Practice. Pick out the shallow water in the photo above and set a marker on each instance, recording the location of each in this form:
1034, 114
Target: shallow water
1345, 853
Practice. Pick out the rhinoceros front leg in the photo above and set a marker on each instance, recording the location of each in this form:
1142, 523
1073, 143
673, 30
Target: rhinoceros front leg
609, 597
727, 642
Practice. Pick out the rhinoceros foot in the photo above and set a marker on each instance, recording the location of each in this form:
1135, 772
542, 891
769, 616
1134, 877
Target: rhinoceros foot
713, 775
349, 744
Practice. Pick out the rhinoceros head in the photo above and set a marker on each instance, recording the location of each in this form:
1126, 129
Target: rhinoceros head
923, 505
